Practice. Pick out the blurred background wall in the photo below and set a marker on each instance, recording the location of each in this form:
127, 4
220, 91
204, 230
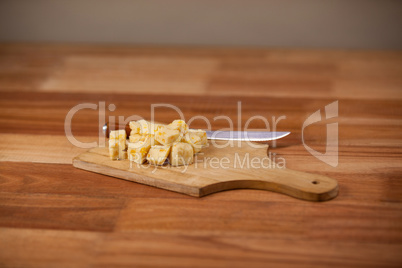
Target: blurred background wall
367, 24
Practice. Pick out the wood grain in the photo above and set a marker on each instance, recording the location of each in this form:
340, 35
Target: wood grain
42, 248
40, 148
52, 214
46, 211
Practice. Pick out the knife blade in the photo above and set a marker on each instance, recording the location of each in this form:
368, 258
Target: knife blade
245, 135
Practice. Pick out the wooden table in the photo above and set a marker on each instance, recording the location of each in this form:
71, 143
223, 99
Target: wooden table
54, 215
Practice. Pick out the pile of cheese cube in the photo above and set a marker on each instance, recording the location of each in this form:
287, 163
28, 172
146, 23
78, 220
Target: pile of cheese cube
155, 143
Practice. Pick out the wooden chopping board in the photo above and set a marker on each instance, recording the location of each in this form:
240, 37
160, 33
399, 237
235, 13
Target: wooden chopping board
238, 166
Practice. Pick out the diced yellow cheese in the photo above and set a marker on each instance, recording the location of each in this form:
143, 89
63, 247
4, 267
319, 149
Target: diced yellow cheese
114, 153
122, 155
117, 149
117, 144
135, 138
113, 143
200, 133
144, 137
154, 127
158, 154
135, 128
144, 126
118, 134
153, 140
114, 149
194, 140
181, 154
122, 144
156, 142
133, 132
179, 125
138, 151
166, 135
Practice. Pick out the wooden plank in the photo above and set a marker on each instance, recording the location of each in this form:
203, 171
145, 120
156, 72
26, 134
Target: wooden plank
47, 211
145, 74
44, 248
239, 251
41, 248
201, 71
304, 221
40, 148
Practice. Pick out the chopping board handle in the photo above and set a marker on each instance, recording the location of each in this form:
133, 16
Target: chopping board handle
301, 185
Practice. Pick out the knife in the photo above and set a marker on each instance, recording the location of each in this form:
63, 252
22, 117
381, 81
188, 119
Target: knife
224, 134
245, 135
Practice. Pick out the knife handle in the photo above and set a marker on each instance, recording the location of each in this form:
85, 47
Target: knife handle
107, 128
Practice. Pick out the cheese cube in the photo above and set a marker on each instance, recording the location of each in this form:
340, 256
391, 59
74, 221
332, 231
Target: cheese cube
138, 151
154, 141
158, 154
200, 133
134, 132
135, 127
117, 149
122, 144
114, 149
145, 126
181, 154
194, 140
135, 138
122, 149
166, 135
117, 144
118, 134
151, 138
122, 154
179, 125
155, 127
